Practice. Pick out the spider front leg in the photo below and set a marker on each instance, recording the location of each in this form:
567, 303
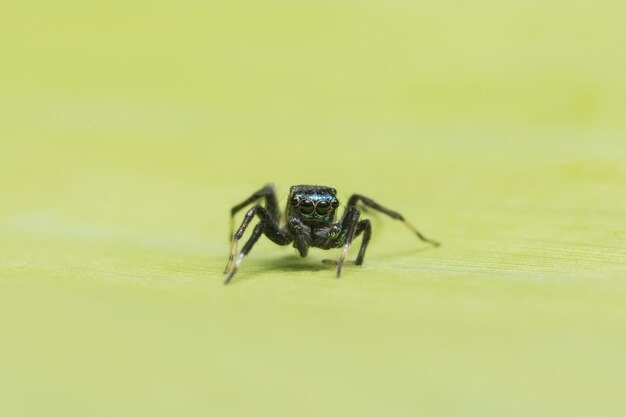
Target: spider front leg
363, 227
348, 228
266, 226
271, 205
368, 202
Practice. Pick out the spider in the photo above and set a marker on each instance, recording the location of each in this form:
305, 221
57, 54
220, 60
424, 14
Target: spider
309, 221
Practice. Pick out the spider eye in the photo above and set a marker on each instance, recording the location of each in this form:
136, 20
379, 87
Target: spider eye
294, 201
307, 207
322, 207
334, 204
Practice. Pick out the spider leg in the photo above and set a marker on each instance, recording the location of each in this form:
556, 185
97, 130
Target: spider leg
356, 198
363, 227
348, 229
271, 204
267, 226
237, 236
256, 234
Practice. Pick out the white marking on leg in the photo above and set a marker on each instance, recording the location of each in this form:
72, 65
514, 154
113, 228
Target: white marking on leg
231, 257
239, 260
235, 268
342, 258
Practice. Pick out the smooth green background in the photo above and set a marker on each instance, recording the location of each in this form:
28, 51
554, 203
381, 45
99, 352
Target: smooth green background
128, 129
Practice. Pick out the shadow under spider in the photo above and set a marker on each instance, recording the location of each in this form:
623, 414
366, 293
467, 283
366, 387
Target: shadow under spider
290, 263
294, 262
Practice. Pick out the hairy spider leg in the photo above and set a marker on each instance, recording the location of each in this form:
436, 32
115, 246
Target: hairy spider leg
363, 227
267, 226
348, 226
271, 204
237, 236
353, 201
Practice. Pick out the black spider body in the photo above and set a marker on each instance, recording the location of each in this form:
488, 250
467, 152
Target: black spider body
311, 210
310, 221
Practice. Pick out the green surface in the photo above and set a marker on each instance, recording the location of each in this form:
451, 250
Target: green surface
128, 130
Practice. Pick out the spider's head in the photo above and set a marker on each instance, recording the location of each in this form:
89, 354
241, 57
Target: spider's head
314, 205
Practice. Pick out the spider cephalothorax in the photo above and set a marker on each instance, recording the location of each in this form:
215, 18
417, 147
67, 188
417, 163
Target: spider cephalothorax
310, 222
314, 205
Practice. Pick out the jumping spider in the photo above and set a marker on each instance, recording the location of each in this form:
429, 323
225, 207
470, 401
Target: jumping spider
310, 222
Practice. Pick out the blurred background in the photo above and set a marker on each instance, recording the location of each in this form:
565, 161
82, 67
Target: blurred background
129, 129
